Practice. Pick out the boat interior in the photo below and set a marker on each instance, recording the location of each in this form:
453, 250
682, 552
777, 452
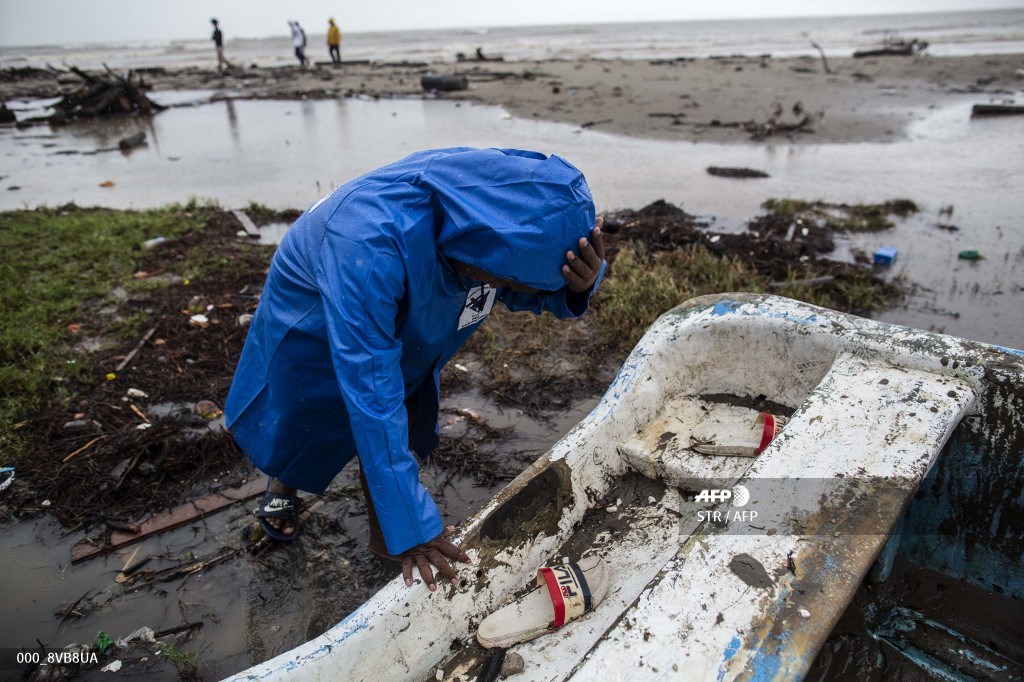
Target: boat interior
878, 535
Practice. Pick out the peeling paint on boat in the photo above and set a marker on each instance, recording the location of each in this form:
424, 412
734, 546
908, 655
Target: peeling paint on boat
889, 423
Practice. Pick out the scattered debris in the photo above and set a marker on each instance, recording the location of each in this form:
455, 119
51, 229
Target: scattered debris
824, 62
88, 548
478, 56
970, 254
895, 47
102, 95
246, 222
107, 183
729, 172
947, 227
885, 256
207, 409
131, 356
774, 125
132, 141
512, 665
8, 472
444, 82
986, 110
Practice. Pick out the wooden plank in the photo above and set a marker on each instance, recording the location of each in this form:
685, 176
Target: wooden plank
84, 549
247, 224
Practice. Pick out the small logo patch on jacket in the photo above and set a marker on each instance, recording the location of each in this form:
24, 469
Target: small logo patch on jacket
478, 304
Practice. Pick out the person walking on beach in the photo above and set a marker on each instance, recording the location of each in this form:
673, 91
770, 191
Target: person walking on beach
372, 290
218, 42
299, 43
334, 41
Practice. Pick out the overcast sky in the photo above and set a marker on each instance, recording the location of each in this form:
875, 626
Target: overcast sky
36, 22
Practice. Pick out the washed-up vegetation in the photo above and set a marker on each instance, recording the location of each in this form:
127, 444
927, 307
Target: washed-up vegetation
840, 217
85, 294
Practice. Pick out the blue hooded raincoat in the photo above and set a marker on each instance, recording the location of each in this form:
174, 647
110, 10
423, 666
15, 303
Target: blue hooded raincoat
361, 310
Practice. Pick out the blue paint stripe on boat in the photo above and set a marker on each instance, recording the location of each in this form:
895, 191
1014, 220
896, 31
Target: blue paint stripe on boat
730, 650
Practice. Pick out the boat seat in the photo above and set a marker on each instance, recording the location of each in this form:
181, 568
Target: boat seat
761, 598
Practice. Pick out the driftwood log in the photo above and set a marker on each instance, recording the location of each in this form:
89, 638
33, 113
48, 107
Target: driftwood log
105, 94
980, 110
444, 83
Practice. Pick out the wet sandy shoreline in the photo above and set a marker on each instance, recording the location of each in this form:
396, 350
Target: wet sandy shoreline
858, 100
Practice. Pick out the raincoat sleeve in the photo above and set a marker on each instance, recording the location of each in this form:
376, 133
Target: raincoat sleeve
563, 304
361, 284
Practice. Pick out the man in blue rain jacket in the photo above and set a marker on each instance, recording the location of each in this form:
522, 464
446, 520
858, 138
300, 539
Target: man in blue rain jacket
371, 292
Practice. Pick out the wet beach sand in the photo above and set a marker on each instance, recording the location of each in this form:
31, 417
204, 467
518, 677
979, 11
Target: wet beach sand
858, 100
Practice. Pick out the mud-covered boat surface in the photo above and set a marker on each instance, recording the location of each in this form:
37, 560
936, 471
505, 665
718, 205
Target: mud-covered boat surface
518, 386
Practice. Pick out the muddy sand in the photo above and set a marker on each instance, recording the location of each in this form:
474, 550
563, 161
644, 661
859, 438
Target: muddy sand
857, 100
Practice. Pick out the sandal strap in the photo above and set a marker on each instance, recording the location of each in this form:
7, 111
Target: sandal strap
569, 591
279, 506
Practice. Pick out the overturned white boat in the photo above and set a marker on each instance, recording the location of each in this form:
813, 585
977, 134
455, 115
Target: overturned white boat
729, 567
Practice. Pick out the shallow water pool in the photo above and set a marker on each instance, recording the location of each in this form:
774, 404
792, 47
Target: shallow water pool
287, 154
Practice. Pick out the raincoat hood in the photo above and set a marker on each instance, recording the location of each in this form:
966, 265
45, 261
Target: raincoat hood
511, 213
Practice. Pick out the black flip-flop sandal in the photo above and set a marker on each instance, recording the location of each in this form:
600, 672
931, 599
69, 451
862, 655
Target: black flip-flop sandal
280, 506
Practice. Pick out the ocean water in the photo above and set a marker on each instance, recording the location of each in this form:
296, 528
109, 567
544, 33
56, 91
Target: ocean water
948, 33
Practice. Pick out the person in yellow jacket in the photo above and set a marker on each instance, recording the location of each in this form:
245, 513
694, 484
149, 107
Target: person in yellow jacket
334, 41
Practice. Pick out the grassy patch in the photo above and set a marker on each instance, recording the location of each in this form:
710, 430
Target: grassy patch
843, 217
642, 286
58, 268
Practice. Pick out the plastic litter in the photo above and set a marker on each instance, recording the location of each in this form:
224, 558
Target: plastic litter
804, 613
137, 393
111, 667
244, 319
885, 255
155, 241
143, 634
8, 476
970, 254
199, 320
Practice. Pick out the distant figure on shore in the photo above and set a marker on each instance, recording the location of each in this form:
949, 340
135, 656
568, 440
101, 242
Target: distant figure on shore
299, 43
334, 41
218, 41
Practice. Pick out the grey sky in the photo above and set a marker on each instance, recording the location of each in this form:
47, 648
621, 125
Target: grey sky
35, 22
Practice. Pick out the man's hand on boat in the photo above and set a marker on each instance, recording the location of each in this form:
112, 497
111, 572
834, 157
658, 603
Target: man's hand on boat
437, 553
